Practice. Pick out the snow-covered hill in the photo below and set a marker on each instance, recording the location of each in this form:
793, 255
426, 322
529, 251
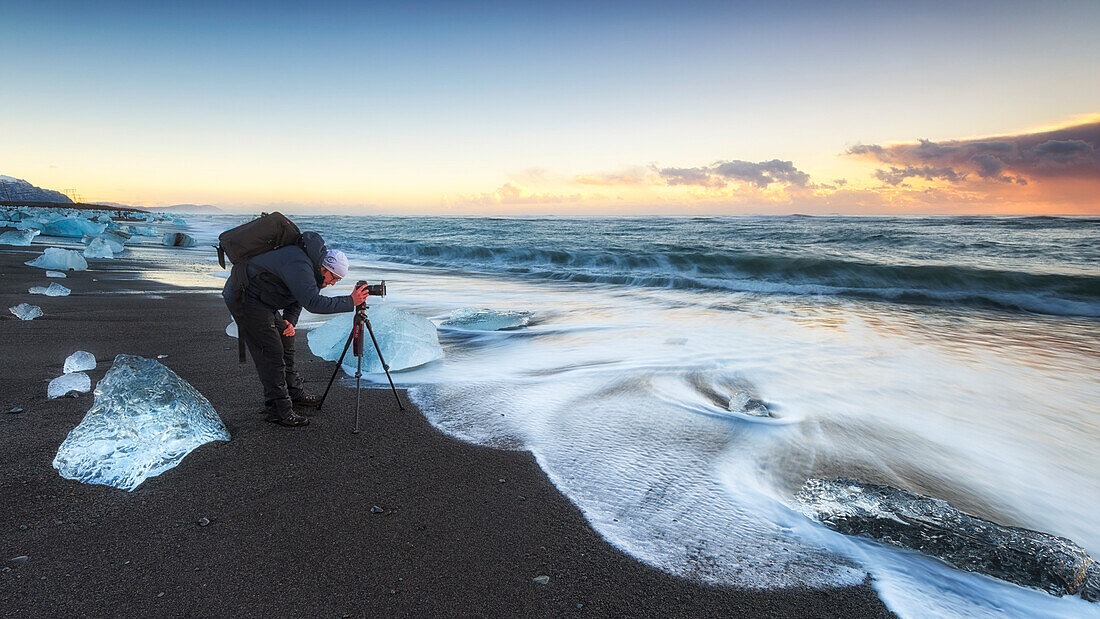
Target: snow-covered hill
17, 189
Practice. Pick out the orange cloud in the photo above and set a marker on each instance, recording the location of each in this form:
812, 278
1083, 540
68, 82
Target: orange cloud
1050, 168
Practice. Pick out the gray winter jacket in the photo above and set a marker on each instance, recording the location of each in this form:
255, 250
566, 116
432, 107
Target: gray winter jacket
288, 279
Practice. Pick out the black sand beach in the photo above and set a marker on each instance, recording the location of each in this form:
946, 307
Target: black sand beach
463, 531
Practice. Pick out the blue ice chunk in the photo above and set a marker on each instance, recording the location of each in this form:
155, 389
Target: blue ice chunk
486, 319
98, 248
67, 383
116, 243
19, 237
144, 230
60, 259
144, 421
79, 361
75, 227
407, 340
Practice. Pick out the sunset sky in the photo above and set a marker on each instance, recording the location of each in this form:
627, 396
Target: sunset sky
559, 107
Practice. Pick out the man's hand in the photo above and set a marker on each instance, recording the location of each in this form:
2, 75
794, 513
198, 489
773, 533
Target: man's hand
289, 330
359, 295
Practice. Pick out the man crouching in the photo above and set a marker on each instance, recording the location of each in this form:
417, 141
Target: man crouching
279, 284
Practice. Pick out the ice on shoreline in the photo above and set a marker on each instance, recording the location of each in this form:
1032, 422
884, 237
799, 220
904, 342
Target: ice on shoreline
21, 238
68, 383
406, 340
144, 421
79, 361
26, 311
486, 319
72, 227
53, 290
98, 248
115, 242
61, 259
55, 274
178, 239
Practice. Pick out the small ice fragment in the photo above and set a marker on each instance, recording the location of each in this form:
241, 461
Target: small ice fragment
144, 421
486, 319
162, 356
19, 237
79, 361
55, 274
407, 340
62, 259
98, 248
53, 290
231, 329
67, 383
26, 311
177, 239
743, 403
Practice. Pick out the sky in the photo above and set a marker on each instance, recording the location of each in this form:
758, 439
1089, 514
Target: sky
571, 108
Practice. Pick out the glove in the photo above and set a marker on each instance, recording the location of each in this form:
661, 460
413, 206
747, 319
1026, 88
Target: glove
289, 330
359, 295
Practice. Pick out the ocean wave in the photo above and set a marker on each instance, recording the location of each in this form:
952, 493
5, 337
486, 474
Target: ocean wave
680, 267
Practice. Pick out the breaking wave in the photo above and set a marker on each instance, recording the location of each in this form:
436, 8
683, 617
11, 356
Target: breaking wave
684, 268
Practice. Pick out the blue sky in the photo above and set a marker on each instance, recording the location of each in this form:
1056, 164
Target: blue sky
425, 106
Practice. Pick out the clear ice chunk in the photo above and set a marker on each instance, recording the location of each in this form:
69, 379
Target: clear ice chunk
177, 239
144, 421
79, 361
19, 237
61, 259
231, 329
98, 248
742, 402
143, 230
116, 243
486, 319
53, 290
55, 274
26, 311
407, 340
68, 383
73, 227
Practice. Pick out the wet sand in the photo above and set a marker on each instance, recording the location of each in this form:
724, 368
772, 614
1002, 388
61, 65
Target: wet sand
463, 529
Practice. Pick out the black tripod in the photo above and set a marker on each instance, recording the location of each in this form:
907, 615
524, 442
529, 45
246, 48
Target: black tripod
356, 338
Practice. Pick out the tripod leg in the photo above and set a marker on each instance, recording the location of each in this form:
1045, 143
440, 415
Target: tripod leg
337, 370
358, 377
384, 366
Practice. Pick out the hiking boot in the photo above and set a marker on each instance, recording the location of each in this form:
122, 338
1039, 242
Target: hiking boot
291, 420
306, 400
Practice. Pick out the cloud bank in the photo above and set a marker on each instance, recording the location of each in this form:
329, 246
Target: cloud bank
1066, 153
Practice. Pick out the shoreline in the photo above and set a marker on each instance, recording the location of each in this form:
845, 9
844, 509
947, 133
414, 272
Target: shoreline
291, 529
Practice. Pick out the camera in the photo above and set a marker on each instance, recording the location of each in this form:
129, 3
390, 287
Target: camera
375, 290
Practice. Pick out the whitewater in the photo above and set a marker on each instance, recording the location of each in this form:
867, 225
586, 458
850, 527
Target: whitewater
957, 357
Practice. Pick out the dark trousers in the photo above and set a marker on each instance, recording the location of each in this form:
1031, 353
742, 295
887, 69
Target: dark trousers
273, 353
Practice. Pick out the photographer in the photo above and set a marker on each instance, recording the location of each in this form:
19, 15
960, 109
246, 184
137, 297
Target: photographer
280, 283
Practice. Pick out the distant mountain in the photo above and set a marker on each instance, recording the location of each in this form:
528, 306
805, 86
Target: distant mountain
186, 208
19, 190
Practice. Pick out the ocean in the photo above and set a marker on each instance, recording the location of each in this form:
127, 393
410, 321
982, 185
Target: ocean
957, 357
